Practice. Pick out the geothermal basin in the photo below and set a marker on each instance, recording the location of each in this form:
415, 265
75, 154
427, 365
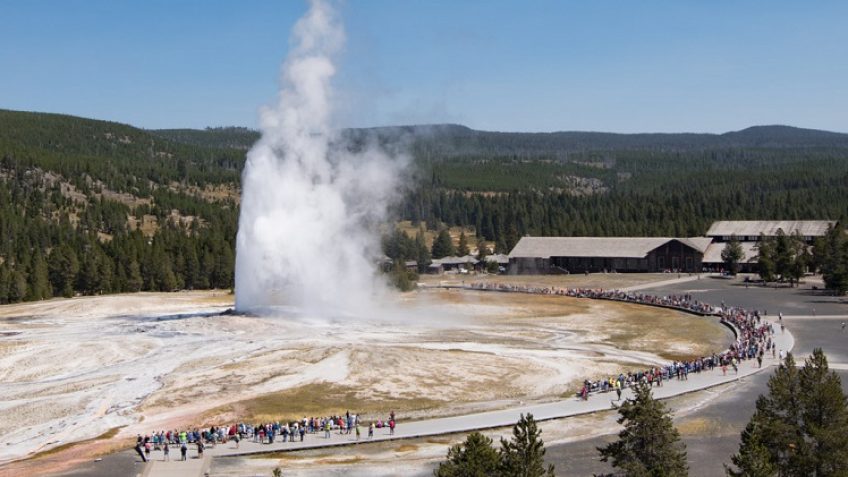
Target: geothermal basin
74, 369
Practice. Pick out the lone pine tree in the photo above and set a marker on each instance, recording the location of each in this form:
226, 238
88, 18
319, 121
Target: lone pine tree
649, 445
473, 458
524, 454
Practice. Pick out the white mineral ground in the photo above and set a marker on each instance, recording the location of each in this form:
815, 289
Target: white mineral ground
74, 369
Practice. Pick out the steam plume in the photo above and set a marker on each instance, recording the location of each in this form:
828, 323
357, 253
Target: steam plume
310, 204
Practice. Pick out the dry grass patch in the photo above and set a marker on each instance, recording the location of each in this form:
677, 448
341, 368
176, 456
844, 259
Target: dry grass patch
432, 440
406, 448
704, 427
340, 461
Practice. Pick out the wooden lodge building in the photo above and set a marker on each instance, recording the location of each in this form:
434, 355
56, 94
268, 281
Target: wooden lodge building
750, 232
540, 255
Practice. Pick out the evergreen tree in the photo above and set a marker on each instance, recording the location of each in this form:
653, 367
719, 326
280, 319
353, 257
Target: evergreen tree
423, 253
87, 281
802, 423
825, 417
765, 259
443, 245
524, 454
732, 255
753, 459
105, 273
5, 282
165, 279
799, 258
831, 256
462, 249
790, 257
482, 250
17, 287
224, 267
63, 268
474, 458
39, 281
134, 279
649, 445
402, 279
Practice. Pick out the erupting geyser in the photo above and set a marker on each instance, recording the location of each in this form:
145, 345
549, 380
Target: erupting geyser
310, 204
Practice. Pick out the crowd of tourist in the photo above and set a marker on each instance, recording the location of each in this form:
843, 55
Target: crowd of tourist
261, 433
753, 335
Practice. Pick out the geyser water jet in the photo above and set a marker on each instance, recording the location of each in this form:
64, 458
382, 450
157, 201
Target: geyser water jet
310, 204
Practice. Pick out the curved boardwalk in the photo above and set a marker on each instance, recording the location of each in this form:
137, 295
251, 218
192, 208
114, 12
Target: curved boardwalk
471, 422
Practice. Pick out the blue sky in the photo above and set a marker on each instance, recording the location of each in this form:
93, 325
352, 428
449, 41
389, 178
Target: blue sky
624, 66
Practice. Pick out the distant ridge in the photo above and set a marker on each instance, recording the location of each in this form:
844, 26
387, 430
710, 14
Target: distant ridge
455, 139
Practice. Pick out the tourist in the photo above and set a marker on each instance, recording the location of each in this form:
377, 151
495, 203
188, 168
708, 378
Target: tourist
139, 450
392, 426
371, 430
167, 451
183, 451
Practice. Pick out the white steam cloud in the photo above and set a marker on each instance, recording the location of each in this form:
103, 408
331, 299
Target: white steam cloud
311, 205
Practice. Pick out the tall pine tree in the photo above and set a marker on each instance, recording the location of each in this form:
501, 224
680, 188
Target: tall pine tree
524, 454
649, 445
802, 423
473, 458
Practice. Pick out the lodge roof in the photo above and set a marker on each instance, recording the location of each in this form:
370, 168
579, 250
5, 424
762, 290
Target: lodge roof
605, 247
769, 228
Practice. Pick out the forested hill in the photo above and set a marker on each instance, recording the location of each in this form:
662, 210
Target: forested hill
90, 206
442, 140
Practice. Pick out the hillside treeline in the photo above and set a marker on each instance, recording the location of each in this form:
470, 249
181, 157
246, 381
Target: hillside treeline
92, 206
75, 193
64, 255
